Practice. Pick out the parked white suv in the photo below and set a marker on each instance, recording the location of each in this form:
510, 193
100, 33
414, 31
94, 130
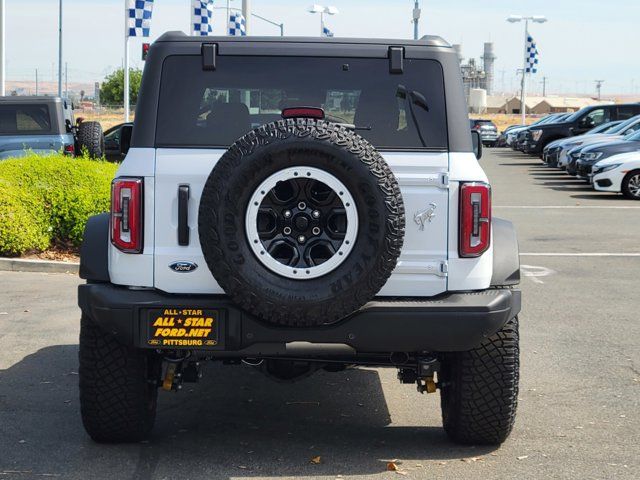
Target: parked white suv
299, 204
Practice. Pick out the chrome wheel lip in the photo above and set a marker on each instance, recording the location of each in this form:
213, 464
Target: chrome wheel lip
251, 222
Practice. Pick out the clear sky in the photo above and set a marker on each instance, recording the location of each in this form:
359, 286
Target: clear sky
584, 40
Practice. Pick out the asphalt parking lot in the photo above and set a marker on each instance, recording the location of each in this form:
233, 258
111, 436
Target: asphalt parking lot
579, 411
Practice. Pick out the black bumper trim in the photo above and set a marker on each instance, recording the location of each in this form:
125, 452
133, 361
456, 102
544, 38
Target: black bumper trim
450, 322
604, 183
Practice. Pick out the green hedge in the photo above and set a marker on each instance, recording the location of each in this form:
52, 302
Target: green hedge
46, 200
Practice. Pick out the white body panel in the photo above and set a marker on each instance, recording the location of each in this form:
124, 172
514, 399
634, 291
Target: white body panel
428, 265
627, 161
465, 273
422, 179
124, 268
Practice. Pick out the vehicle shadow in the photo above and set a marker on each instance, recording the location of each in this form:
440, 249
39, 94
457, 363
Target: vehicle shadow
521, 164
235, 423
555, 179
550, 174
600, 196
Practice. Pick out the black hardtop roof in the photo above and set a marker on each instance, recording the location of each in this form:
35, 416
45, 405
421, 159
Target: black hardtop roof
605, 104
426, 41
179, 44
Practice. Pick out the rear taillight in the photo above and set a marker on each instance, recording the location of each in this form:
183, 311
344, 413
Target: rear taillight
69, 149
126, 214
475, 219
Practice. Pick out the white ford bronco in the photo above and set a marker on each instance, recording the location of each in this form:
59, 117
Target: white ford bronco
300, 204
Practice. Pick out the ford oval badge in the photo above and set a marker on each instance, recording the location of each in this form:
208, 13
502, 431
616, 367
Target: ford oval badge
183, 267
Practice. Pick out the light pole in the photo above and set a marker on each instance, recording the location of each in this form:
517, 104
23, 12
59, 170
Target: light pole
246, 12
60, 50
599, 88
125, 67
2, 48
229, 9
416, 19
322, 10
523, 93
279, 25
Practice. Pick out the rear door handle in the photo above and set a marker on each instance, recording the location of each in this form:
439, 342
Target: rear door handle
183, 215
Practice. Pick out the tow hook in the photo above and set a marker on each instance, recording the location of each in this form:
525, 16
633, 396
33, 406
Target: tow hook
170, 377
177, 373
421, 374
427, 385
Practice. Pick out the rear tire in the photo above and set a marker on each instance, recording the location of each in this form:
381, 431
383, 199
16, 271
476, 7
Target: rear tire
631, 185
479, 389
117, 390
91, 139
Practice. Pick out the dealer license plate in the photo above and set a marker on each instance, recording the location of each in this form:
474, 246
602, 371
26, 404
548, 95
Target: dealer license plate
182, 327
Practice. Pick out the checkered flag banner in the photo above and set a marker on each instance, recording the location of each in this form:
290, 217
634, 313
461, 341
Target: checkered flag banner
532, 55
139, 17
326, 32
237, 25
201, 13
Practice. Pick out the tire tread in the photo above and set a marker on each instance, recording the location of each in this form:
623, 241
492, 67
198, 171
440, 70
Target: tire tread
479, 395
117, 402
91, 139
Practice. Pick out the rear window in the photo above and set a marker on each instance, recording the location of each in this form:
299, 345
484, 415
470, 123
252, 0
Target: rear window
24, 119
214, 108
482, 123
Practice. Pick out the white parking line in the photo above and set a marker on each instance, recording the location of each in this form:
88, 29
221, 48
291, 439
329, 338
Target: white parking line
534, 272
543, 254
563, 207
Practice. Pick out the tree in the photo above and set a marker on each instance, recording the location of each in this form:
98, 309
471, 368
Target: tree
112, 88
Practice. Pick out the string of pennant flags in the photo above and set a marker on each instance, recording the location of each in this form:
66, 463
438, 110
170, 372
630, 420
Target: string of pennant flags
139, 13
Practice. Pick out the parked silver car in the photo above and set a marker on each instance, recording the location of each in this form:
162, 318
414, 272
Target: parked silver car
488, 131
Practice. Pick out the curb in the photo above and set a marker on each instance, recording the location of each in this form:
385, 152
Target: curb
42, 266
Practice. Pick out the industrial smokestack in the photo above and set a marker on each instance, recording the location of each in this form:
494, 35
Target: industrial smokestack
489, 59
458, 49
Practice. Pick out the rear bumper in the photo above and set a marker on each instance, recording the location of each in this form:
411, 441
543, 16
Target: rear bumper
450, 322
488, 137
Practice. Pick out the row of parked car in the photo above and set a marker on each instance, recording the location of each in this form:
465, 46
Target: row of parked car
599, 144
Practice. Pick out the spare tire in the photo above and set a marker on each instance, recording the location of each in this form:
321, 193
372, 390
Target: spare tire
301, 222
91, 139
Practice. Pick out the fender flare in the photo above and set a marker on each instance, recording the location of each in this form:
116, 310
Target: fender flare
94, 252
506, 254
